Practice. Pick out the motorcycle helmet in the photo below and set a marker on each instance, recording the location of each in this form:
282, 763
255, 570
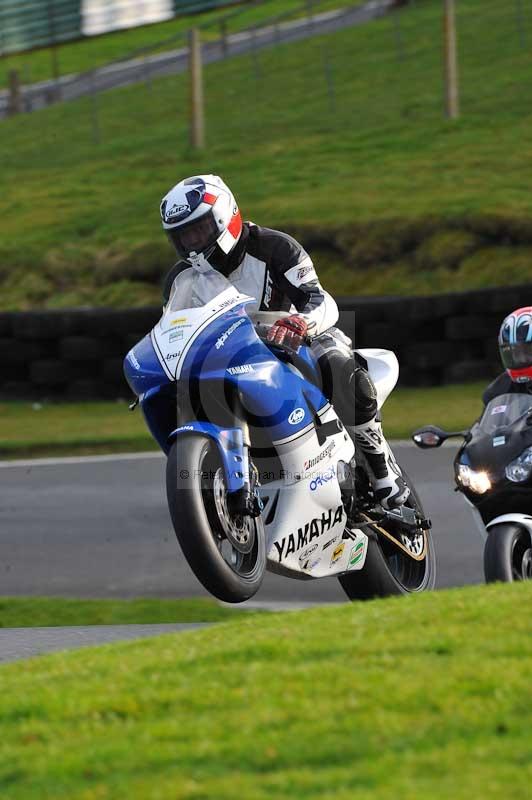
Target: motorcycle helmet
515, 344
202, 220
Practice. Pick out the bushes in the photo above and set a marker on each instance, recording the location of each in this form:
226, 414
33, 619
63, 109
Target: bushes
391, 257
427, 256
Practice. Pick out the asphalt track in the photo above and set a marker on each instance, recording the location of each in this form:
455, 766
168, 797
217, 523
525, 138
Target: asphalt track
99, 527
17, 643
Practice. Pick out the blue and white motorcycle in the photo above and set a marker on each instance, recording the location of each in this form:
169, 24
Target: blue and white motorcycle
261, 473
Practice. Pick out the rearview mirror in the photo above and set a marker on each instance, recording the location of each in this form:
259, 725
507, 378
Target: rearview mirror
429, 436
432, 436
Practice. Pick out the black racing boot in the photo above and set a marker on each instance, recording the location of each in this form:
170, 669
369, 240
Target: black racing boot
385, 474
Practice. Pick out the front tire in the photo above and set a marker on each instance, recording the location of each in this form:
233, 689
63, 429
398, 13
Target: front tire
226, 553
508, 554
387, 570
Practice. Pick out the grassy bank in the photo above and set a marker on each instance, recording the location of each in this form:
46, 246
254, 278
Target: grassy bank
418, 697
35, 612
32, 430
341, 135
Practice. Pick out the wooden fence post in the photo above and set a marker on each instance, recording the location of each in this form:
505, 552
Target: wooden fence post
223, 37
197, 111
14, 103
452, 99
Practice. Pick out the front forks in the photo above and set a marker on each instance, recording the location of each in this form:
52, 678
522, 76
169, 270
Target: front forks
246, 501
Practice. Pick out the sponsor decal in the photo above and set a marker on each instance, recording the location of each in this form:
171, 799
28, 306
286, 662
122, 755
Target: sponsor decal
498, 441
179, 321
243, 369
330, 542
307, 552
321, 480
184, 428
297, 416
337, 553
170, 356
268, 289
226, 334
320, 457
304, 271
175, 336
498, 410
224, 304
310, 565
177, 208
133, 359
356, 554
312, 530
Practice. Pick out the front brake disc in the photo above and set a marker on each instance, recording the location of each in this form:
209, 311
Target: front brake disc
238, 529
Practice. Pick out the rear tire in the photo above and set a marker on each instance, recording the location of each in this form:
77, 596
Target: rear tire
508, 554
230, 570
387, 571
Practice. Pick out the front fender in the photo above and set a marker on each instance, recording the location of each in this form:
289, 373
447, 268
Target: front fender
519, 519
230, 445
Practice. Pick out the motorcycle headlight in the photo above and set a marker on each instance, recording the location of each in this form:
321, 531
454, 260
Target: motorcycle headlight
521, 468
478, 482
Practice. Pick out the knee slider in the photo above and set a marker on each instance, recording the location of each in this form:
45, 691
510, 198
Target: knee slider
365, 396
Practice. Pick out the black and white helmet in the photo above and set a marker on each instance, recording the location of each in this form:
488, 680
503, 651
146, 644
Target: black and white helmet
200, 214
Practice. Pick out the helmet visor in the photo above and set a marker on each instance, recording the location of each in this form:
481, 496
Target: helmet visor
198, 236
517, 356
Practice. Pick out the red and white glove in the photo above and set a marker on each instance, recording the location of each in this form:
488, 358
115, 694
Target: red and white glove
289, 331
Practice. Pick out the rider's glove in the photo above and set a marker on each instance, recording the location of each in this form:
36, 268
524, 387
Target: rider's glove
289, 331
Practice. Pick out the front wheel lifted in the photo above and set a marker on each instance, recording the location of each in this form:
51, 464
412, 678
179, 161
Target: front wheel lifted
508, 553
226, 552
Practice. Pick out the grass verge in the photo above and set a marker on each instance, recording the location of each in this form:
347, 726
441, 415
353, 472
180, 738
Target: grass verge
417, 697
35, 612
35, 429
339, 132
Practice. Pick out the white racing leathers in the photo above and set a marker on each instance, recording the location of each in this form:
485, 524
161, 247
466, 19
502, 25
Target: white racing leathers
276, 270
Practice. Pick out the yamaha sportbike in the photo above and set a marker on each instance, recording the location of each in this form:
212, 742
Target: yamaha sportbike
493, 471
261, 473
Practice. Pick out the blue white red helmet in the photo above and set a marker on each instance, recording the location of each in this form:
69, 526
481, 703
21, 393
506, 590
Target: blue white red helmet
515, 344
200, 214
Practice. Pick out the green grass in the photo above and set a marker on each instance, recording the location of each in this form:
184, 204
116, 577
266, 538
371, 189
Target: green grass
424, 698
35, 612
29, 429
64, 428
97, 51
79, 221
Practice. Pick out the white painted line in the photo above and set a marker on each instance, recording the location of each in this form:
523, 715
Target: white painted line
456, 443
53, 462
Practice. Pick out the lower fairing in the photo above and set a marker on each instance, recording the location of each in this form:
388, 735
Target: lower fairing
304, 517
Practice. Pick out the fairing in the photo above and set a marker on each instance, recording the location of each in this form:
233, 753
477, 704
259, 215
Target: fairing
501, 434
206, 347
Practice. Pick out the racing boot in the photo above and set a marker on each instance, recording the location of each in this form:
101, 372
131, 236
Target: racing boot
389, 485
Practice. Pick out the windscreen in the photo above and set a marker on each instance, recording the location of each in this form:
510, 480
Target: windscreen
193, 288
503, 411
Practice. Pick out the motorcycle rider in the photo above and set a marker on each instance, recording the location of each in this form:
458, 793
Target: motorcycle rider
515, 348
202, 220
